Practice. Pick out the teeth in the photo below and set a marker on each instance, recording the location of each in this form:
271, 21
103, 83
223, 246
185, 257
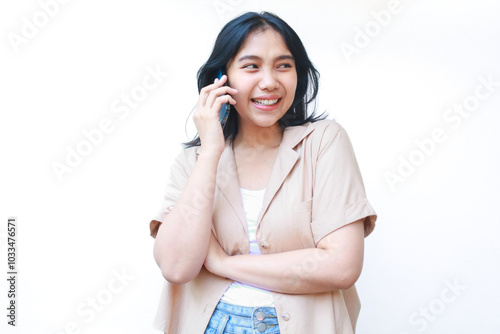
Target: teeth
266, 102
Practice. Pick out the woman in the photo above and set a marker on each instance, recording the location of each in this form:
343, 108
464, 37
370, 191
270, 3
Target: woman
263, 225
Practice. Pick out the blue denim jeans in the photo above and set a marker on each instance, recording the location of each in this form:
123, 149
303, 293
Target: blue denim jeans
233, 319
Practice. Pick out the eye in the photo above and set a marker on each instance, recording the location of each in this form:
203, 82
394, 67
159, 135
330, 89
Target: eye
250, 66
285, 65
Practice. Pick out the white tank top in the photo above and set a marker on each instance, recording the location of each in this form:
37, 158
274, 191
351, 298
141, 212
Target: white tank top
239, 293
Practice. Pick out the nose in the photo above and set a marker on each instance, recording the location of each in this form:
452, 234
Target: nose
268, 80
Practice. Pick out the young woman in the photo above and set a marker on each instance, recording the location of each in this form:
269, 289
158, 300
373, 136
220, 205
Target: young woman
263, 225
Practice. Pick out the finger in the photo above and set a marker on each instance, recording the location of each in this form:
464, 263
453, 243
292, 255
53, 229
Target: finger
218, 93
221, 100
213, 113
205, 91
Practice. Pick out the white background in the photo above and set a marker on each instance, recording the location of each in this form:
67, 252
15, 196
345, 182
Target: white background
438, 225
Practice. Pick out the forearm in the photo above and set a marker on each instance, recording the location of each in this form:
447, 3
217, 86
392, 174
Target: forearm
335, 264
296, 272
182, 241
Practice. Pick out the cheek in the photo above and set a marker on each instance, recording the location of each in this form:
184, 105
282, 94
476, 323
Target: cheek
291, 90
293, 85
243, 91
241, 96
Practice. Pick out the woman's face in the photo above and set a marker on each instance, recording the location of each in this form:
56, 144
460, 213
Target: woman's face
263, 71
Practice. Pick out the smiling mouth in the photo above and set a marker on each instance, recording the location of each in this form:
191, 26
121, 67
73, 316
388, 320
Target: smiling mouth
266, 102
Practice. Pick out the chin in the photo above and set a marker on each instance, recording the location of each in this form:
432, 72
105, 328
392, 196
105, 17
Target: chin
266, 123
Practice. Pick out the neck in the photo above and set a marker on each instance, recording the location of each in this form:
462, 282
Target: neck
258, 137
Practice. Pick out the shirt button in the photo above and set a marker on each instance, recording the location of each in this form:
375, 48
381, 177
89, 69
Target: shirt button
285, 316
264, 244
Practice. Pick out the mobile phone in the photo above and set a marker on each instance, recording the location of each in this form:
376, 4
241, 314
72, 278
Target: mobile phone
224, 110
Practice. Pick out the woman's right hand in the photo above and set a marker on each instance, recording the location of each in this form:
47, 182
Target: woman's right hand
206, 115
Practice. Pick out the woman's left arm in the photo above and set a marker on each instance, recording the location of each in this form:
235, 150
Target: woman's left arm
335, 264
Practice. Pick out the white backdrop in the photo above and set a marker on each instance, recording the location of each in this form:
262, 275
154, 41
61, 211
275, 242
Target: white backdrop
95, 95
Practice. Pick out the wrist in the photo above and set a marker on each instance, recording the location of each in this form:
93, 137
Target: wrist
221, 266
210, 154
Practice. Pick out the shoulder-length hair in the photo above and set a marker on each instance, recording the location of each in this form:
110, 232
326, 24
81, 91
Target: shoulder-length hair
227, 45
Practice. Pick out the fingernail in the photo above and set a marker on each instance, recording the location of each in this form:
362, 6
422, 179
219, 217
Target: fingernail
216, 79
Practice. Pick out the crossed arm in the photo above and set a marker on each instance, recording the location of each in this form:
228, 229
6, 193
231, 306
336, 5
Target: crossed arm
335, 264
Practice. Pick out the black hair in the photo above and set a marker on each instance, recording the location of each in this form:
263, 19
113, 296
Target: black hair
228, 43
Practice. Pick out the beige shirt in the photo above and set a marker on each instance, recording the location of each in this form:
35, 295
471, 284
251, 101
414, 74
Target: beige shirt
315, 188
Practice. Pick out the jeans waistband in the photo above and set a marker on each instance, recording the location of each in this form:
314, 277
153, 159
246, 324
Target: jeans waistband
245, 311
228, 318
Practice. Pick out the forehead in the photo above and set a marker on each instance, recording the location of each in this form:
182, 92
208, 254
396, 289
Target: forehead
262, 43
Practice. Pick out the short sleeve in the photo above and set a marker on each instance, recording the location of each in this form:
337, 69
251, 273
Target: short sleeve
179, 174
339, 196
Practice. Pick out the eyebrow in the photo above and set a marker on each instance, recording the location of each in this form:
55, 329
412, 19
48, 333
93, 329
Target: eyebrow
253, 57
